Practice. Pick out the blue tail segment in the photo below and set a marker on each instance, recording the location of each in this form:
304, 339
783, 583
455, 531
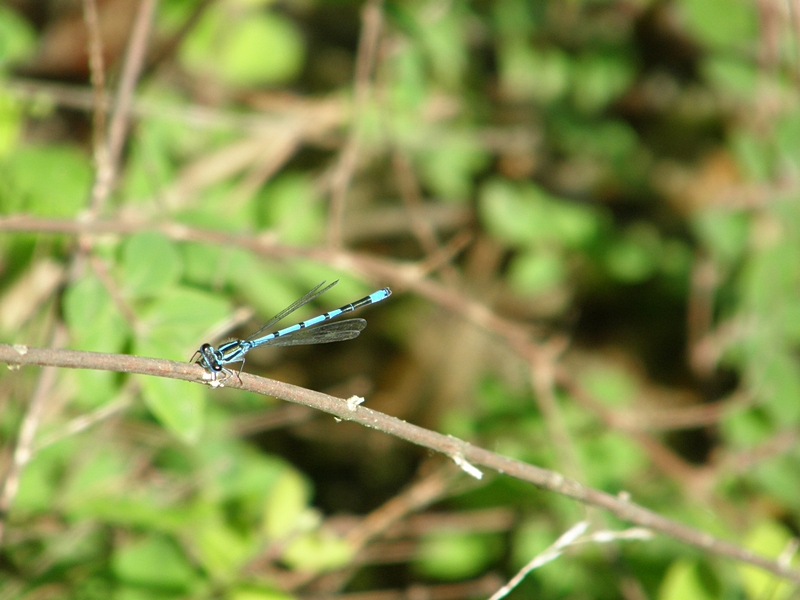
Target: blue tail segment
316, 330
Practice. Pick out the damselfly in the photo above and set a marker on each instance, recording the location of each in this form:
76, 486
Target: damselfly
316, 330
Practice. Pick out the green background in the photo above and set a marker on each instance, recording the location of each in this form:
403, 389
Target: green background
626, 176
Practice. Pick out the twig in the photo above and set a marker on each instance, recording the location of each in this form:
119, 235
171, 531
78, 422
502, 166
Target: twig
521, 337
195, 115
372, 19
794, 9
83, 422
448, 445
548, 555
98, 79
417, 496
573, 537
134, 61
23, 450
412, 198
542, 375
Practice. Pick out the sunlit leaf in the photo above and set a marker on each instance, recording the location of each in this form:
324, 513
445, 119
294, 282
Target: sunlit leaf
253, 48
47, 181
150, 263
178, 405
767, 538
683, 581
453, 556
154, 561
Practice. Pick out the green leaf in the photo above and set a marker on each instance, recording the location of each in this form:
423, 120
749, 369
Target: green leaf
494, 398
454, 556
537, 271
163, 144
609, 139
721, 24
530, 539
408, 88
600, 79
119, 506
753, 153
777, 476
509, 216
286, 504
209, 266
248, 49
150, 263
156, 562
251, 592
745, 428
725, 233
516, 19
46, 181
123, 591
612, 460
94, 388
269, 290
97, 476
11, 123
558, 579
790, 319
682, 582
264, 49
778, 383
291, 206
609, 384
526, 215
222, 550
636, 255
17, 37
528, 73
93, 319
449, 167
40, 479
732, 76
771, 275
444, 40
318, 551
768, 538
172, 325
787, 132
178, 405
248, 474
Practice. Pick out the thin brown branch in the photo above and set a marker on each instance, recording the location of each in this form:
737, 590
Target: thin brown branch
400, 275
117, 128
661, 456
79, 98
412, 198
418, 495
462, 590
620, 506
688, 417
84, 422
372, 19
700, 313
167, 48
794, 10
744, 461
23, 450
98, 79
520, 337
544, 384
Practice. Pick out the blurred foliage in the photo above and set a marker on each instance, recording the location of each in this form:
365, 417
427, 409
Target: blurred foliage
630, 171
